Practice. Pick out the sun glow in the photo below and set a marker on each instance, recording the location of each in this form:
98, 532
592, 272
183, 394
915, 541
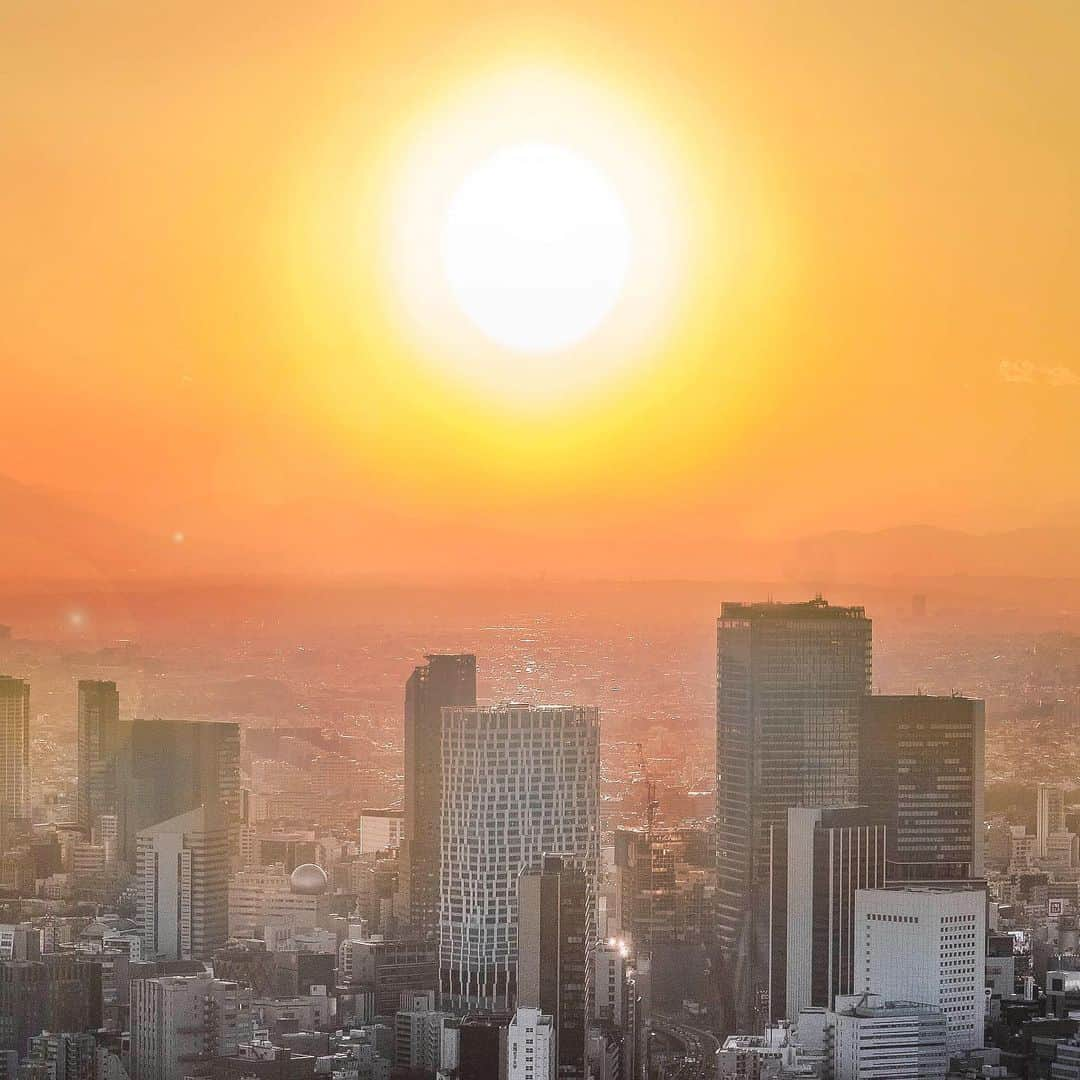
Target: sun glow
535, 238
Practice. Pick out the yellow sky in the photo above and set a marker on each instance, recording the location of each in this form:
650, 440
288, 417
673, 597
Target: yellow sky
876, 323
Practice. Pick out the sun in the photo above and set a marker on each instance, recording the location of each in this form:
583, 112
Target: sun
536, 247
535, 238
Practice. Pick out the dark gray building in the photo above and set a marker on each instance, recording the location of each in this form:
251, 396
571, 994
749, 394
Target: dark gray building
101, 737
791, 679
442, 682
556, 943
922, 767
170, 767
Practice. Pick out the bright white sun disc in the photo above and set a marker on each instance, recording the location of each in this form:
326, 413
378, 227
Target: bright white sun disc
536, 247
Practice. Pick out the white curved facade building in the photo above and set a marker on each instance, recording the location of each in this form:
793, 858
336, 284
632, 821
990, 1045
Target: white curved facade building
518, 782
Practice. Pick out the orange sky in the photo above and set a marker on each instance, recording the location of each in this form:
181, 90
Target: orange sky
879, 324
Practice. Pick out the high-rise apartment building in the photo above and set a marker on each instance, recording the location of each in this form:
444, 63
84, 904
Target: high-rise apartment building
172, 766
182, 875
556, 948
927, 945
517, 782
922, 768
791, 679
818, 861
101, 739
442, 682
180, 1023
14, 749
1049, 815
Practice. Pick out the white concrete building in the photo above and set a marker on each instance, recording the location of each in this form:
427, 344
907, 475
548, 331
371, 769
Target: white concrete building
875, 1039
261, 896
530, 1046
380, 830
926, 945
517, 782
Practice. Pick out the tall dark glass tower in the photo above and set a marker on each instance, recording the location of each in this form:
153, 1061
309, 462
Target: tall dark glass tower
791, 679
442, 682
100, 740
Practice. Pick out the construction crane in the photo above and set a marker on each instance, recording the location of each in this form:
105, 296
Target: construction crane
651, 803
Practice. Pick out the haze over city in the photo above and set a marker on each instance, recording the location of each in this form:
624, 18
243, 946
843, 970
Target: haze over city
540, 540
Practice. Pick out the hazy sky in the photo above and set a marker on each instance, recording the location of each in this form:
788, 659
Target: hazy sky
870, 315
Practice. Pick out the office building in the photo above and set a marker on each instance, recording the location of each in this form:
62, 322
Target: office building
442, 682
890, 1040
531, 1044
388, 969
380, 830
922, 766
262, 896
664, 887
421, 1034
517, 782
14, 750
791, 679
63, 1056
556, 947
57, 992
616, 1002
610, 966
101, 738
927, 945
818, 861
482, 1047
170, 767
180, 1023
1049, 814
182, 877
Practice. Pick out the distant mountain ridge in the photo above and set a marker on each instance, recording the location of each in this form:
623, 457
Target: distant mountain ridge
44, 536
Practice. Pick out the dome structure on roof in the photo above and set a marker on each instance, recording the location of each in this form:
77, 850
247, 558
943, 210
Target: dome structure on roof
309, 880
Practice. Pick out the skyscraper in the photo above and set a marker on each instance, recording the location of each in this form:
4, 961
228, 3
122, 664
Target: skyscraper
928, 945
100, 742
818, 861
183, 875
442, 682
517, 782
922, 769
556, 946
169, 767
1049, 815
791, 679
14, 749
